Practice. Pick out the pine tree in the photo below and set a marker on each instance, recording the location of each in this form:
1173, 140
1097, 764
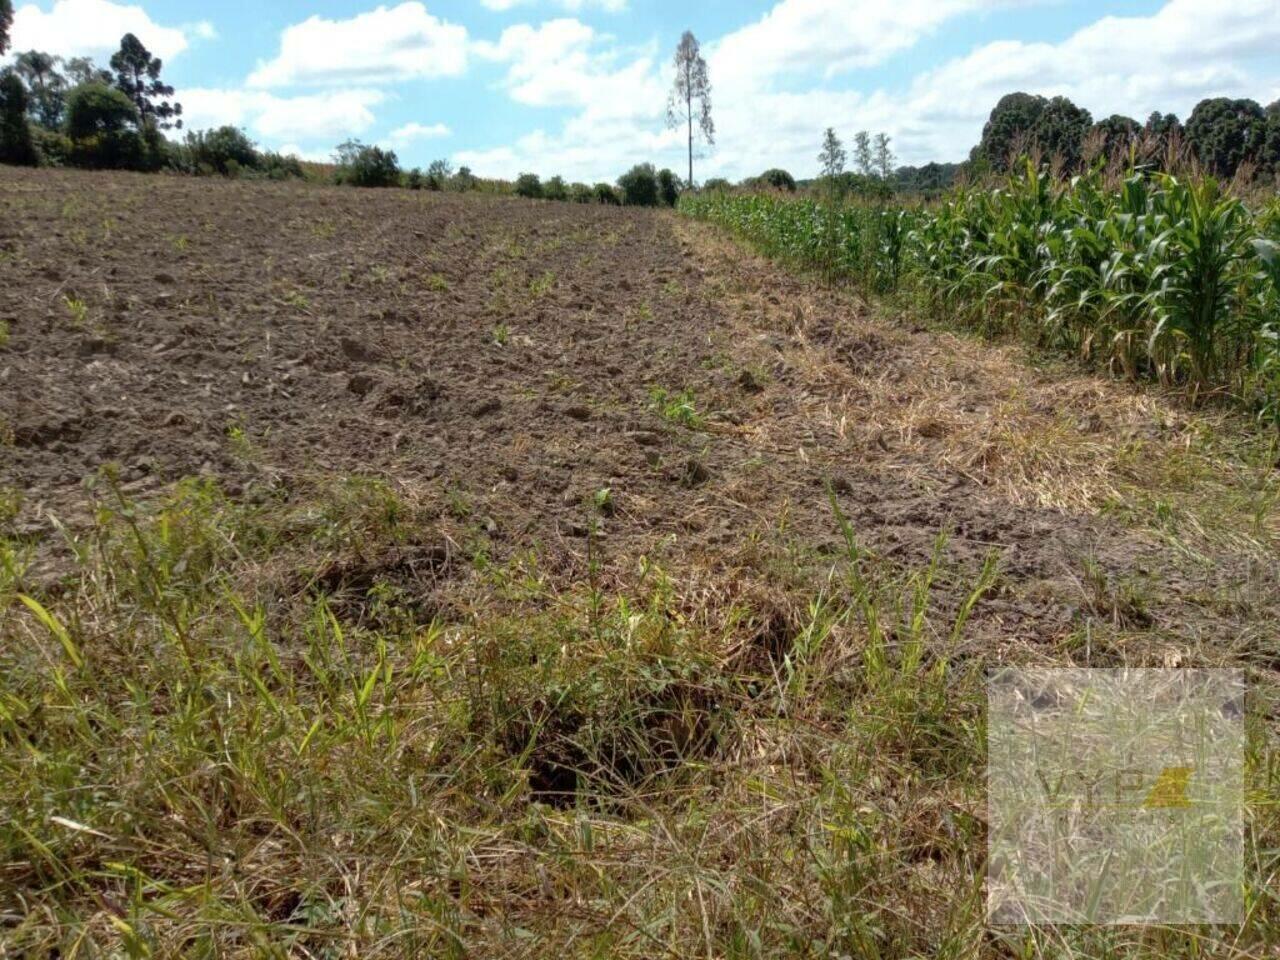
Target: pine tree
138, 75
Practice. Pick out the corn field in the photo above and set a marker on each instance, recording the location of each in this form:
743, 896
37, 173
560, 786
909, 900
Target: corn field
1151, 276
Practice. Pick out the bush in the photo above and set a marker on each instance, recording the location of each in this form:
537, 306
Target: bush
555, 189
277, 166
94, 109
717, 185
580, 193
116, 150
639, 186
464, 180
361, 165
668, 188
438, 174
528, 185
225, 150
53, 149
778, 179
16, 145
413, 179
156, 150
605, 194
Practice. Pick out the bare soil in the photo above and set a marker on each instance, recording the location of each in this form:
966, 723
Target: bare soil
499, 358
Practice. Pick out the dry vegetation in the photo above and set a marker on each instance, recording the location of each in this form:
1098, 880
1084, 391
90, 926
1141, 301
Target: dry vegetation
553, 581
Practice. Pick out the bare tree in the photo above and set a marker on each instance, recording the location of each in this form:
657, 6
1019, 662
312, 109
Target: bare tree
884, 158
862, 152
691, 95
832, 157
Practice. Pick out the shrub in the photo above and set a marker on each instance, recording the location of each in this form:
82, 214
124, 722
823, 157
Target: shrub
639, 186
94, 109
16, 145
464, 179
156, 150
717, 185
555, 189
361, 165
528, 185
438, 174
117, 150
277, 166
102, 124
668, 188
604, 193
53, 149
580, 193
413, 179
225, 150
778, 179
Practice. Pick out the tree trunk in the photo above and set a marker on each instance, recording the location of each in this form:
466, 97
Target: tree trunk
688, 112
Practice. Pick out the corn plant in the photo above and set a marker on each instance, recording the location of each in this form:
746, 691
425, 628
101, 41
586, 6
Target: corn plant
1154, 276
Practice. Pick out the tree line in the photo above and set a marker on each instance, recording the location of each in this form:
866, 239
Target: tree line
72, 112
1224, 136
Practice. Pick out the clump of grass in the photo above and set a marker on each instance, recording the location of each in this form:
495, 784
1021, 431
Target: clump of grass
678, 407
77, 308
542, 284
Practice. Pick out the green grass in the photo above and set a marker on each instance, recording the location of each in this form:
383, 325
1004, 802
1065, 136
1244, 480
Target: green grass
77, 308
237, 735
678, 407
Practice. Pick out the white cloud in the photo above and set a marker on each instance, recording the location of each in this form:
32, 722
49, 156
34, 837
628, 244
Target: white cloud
619, 95
403, 136
312, 156
380, 46
327, 118
565, 63
778, 82
75, 28
1169, 61
573, 6
828, 37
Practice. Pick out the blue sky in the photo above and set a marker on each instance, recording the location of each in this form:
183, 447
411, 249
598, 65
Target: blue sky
578, 87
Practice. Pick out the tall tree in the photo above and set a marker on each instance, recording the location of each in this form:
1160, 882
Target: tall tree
1060, 131
832, 157
138, 75
15, 134
862, 152
6, 21
1008, 131
1115, 134
1224, 133
1270, 157
1162, 124
81, 70
47, 87
884, 158
691, 96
